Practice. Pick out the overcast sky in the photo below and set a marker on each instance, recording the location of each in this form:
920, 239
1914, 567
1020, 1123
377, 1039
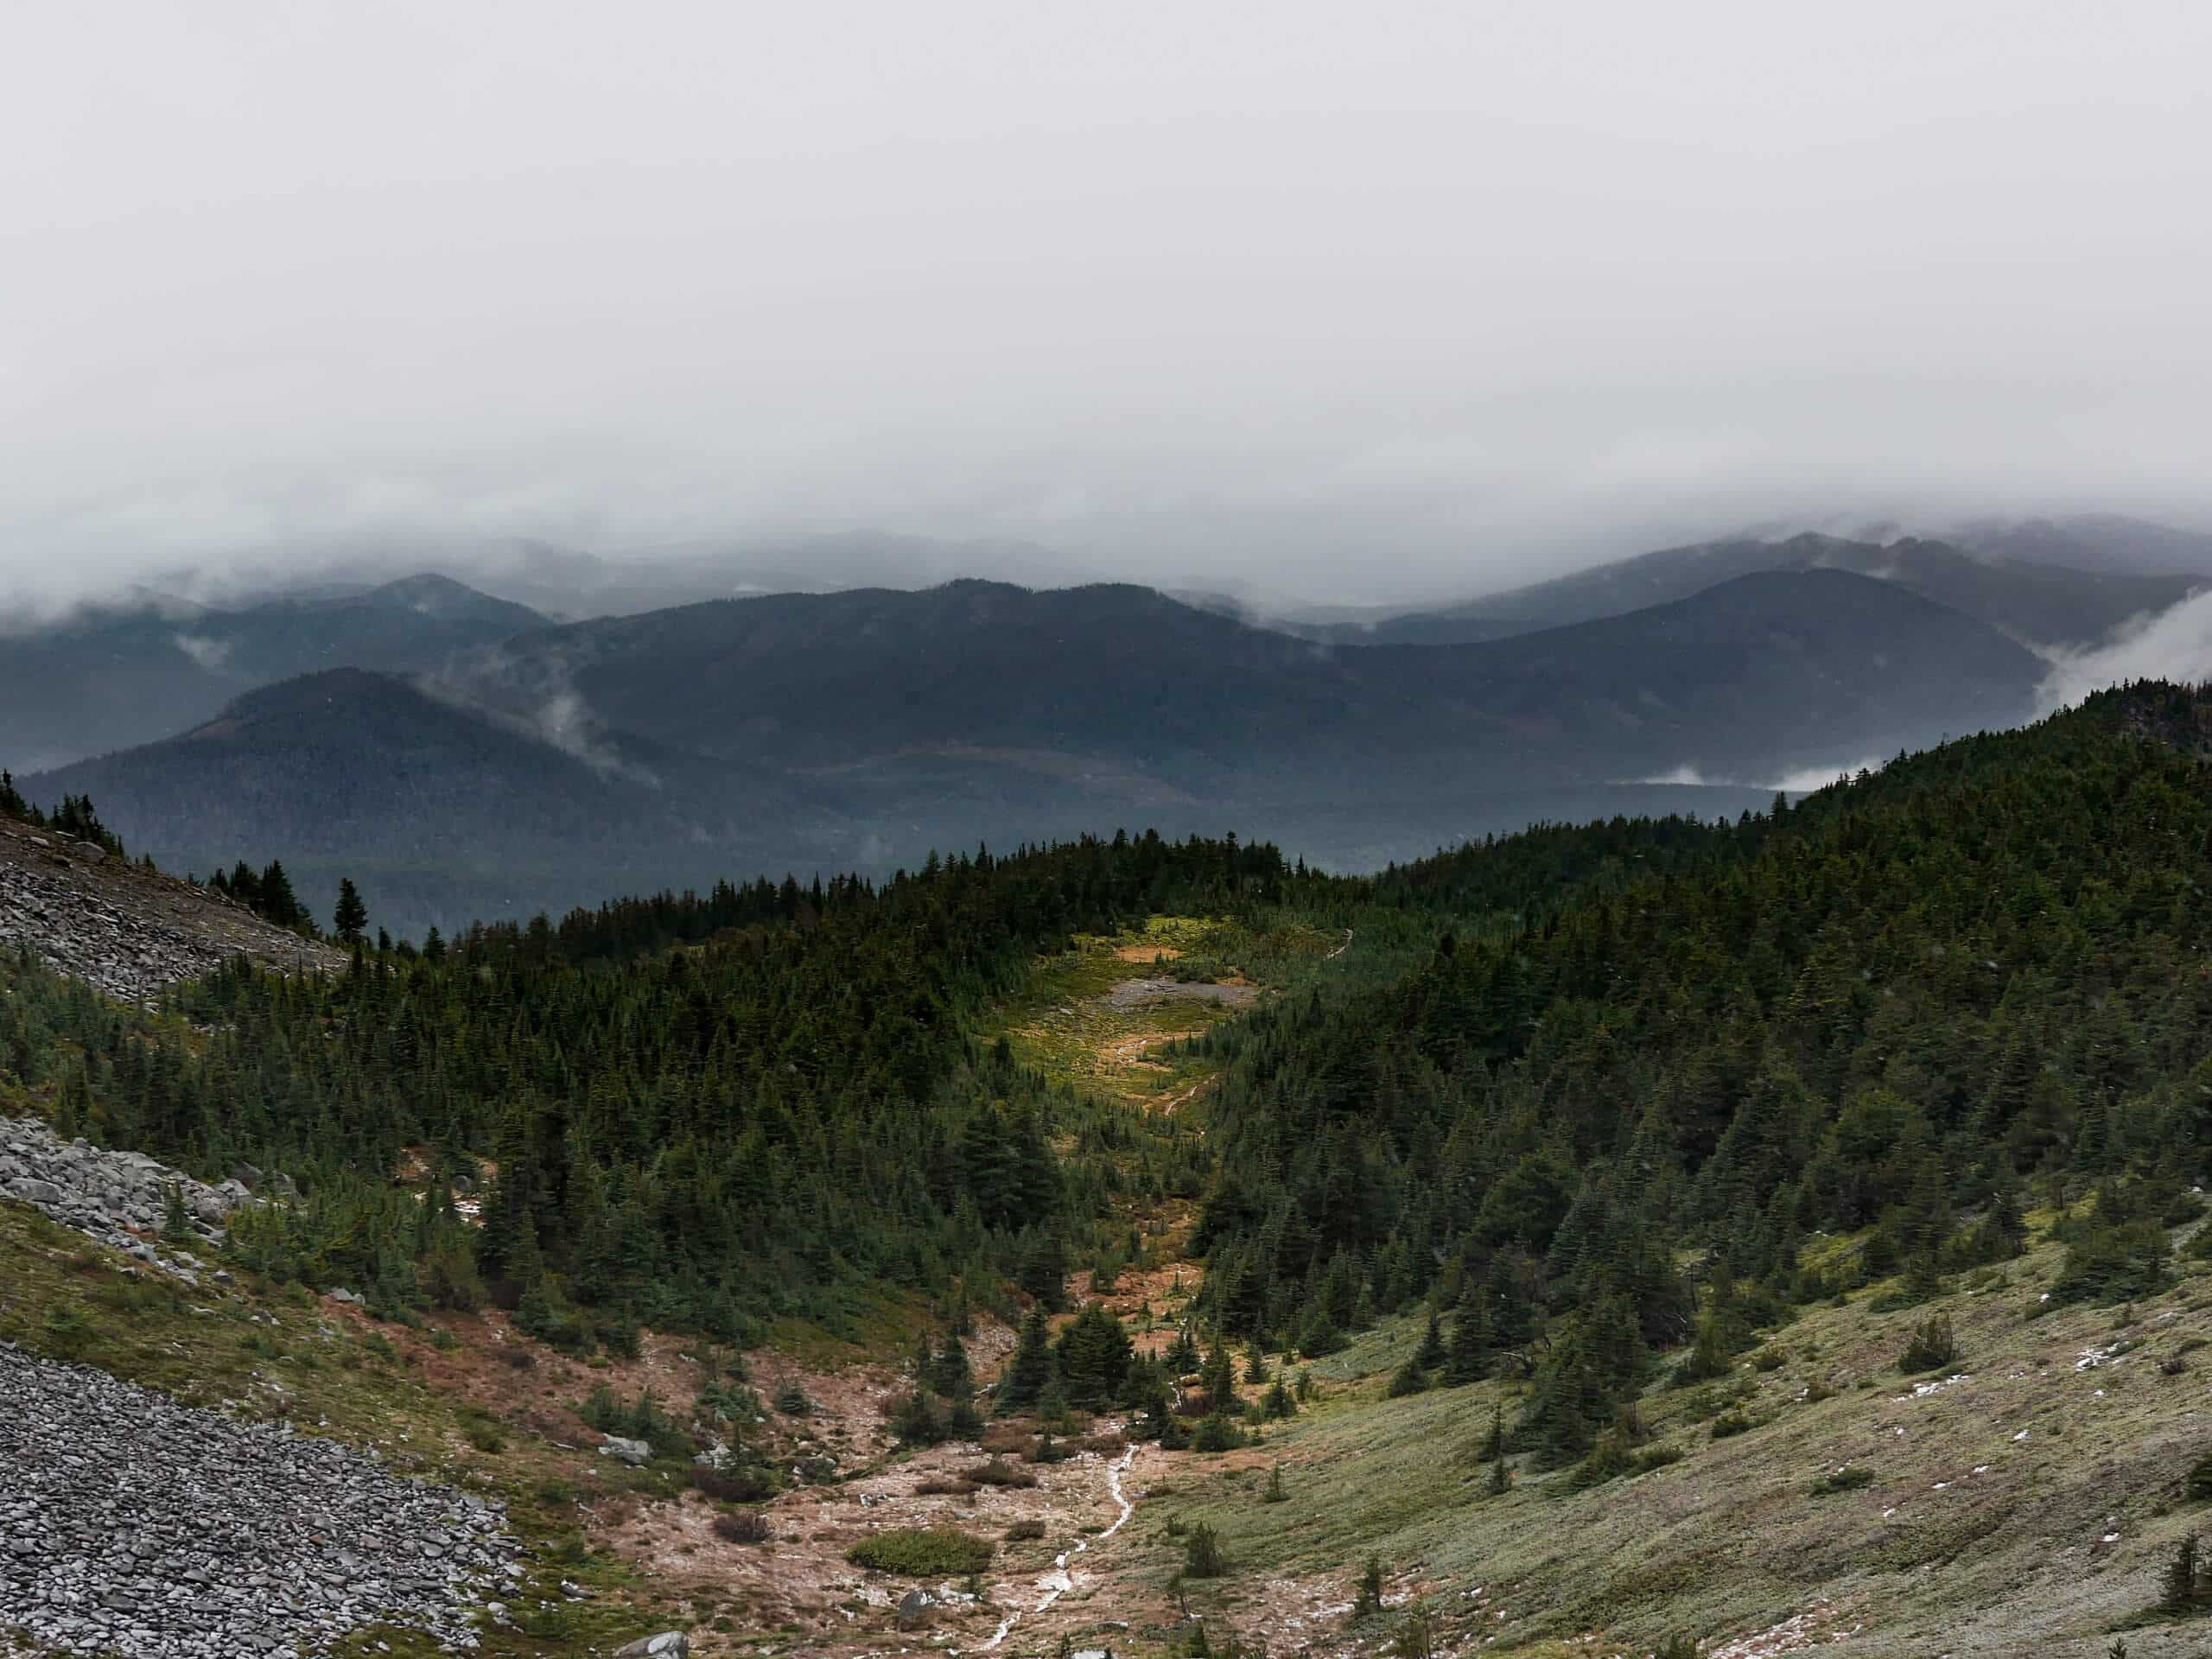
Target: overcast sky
1344, 298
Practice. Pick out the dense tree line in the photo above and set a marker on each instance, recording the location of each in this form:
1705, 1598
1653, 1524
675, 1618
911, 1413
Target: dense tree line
706, 1134
1557, 1066
1898, 1008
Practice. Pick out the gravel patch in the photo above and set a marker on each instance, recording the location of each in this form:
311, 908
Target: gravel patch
131, 1523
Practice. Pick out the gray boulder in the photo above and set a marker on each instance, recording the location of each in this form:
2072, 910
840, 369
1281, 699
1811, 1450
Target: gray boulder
633, 1453
668, 1644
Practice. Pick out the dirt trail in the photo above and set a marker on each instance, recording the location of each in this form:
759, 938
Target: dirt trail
1058, 1583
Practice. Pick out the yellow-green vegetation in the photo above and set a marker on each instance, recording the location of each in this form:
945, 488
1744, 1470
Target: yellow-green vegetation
1078, 1020
2026, 1501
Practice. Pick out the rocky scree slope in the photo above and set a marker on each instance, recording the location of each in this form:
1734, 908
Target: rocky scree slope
131, 1523
120, 1199
125, 930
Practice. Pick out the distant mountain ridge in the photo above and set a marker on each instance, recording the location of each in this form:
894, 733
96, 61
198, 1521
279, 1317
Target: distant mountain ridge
108, 679
860, 729
2051, 604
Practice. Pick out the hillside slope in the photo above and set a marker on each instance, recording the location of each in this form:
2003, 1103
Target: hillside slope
435, 813
1199, 701
1809, 1204
125, 930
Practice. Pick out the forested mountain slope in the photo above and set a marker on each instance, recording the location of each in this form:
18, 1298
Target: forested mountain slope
1198, 702
1908, 1005
1576, 1196
861, 730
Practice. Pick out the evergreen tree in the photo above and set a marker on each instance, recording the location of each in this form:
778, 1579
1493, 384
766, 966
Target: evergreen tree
1468, 1358
1030, 1370
1431, 1353
350, 920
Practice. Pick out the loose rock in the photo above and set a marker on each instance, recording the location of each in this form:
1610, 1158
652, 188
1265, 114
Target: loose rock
131, 1523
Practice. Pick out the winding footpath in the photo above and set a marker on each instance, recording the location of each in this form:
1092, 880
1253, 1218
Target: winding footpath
1057, 1583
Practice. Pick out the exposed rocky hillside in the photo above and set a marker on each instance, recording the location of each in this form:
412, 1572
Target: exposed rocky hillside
118, 1197
124, 929
130, 1524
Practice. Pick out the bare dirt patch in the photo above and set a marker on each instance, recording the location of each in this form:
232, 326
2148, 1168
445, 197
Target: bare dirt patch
1147, 953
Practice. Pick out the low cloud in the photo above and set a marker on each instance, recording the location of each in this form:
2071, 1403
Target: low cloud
213, 655
1802, 781
2175, 643
537, 699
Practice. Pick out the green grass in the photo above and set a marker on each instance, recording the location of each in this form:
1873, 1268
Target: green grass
1736, 1536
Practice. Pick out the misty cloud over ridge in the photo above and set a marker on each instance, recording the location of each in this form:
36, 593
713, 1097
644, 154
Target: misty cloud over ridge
2175, 645
1361, 302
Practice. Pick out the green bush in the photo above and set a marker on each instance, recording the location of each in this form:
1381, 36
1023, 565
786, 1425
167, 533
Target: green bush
1730, 1424
68, 1332
2198, 1487
922, 1552
641, 1419
792, 1401
1216, 1434
1932, 1346
1021, 1531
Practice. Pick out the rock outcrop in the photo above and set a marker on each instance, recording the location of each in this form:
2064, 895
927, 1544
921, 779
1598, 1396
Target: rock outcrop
125, 930
131, 1523
114, 1196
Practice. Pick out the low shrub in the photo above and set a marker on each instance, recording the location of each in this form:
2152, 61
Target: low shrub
1201, 1556
998, 1472
1730, 1424
742, 1527
922, 1552
1848, 1478
1023, 1531
745, 1483
793, 1402
939, 1486
2198, 1487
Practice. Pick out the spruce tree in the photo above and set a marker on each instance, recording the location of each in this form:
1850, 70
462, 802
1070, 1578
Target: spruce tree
1030, 1370
950, 1373
1431, 1353
1218, 1378
350, 920
1468, 1358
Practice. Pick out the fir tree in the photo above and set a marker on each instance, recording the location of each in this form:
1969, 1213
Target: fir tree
1030, 1370
350, 920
